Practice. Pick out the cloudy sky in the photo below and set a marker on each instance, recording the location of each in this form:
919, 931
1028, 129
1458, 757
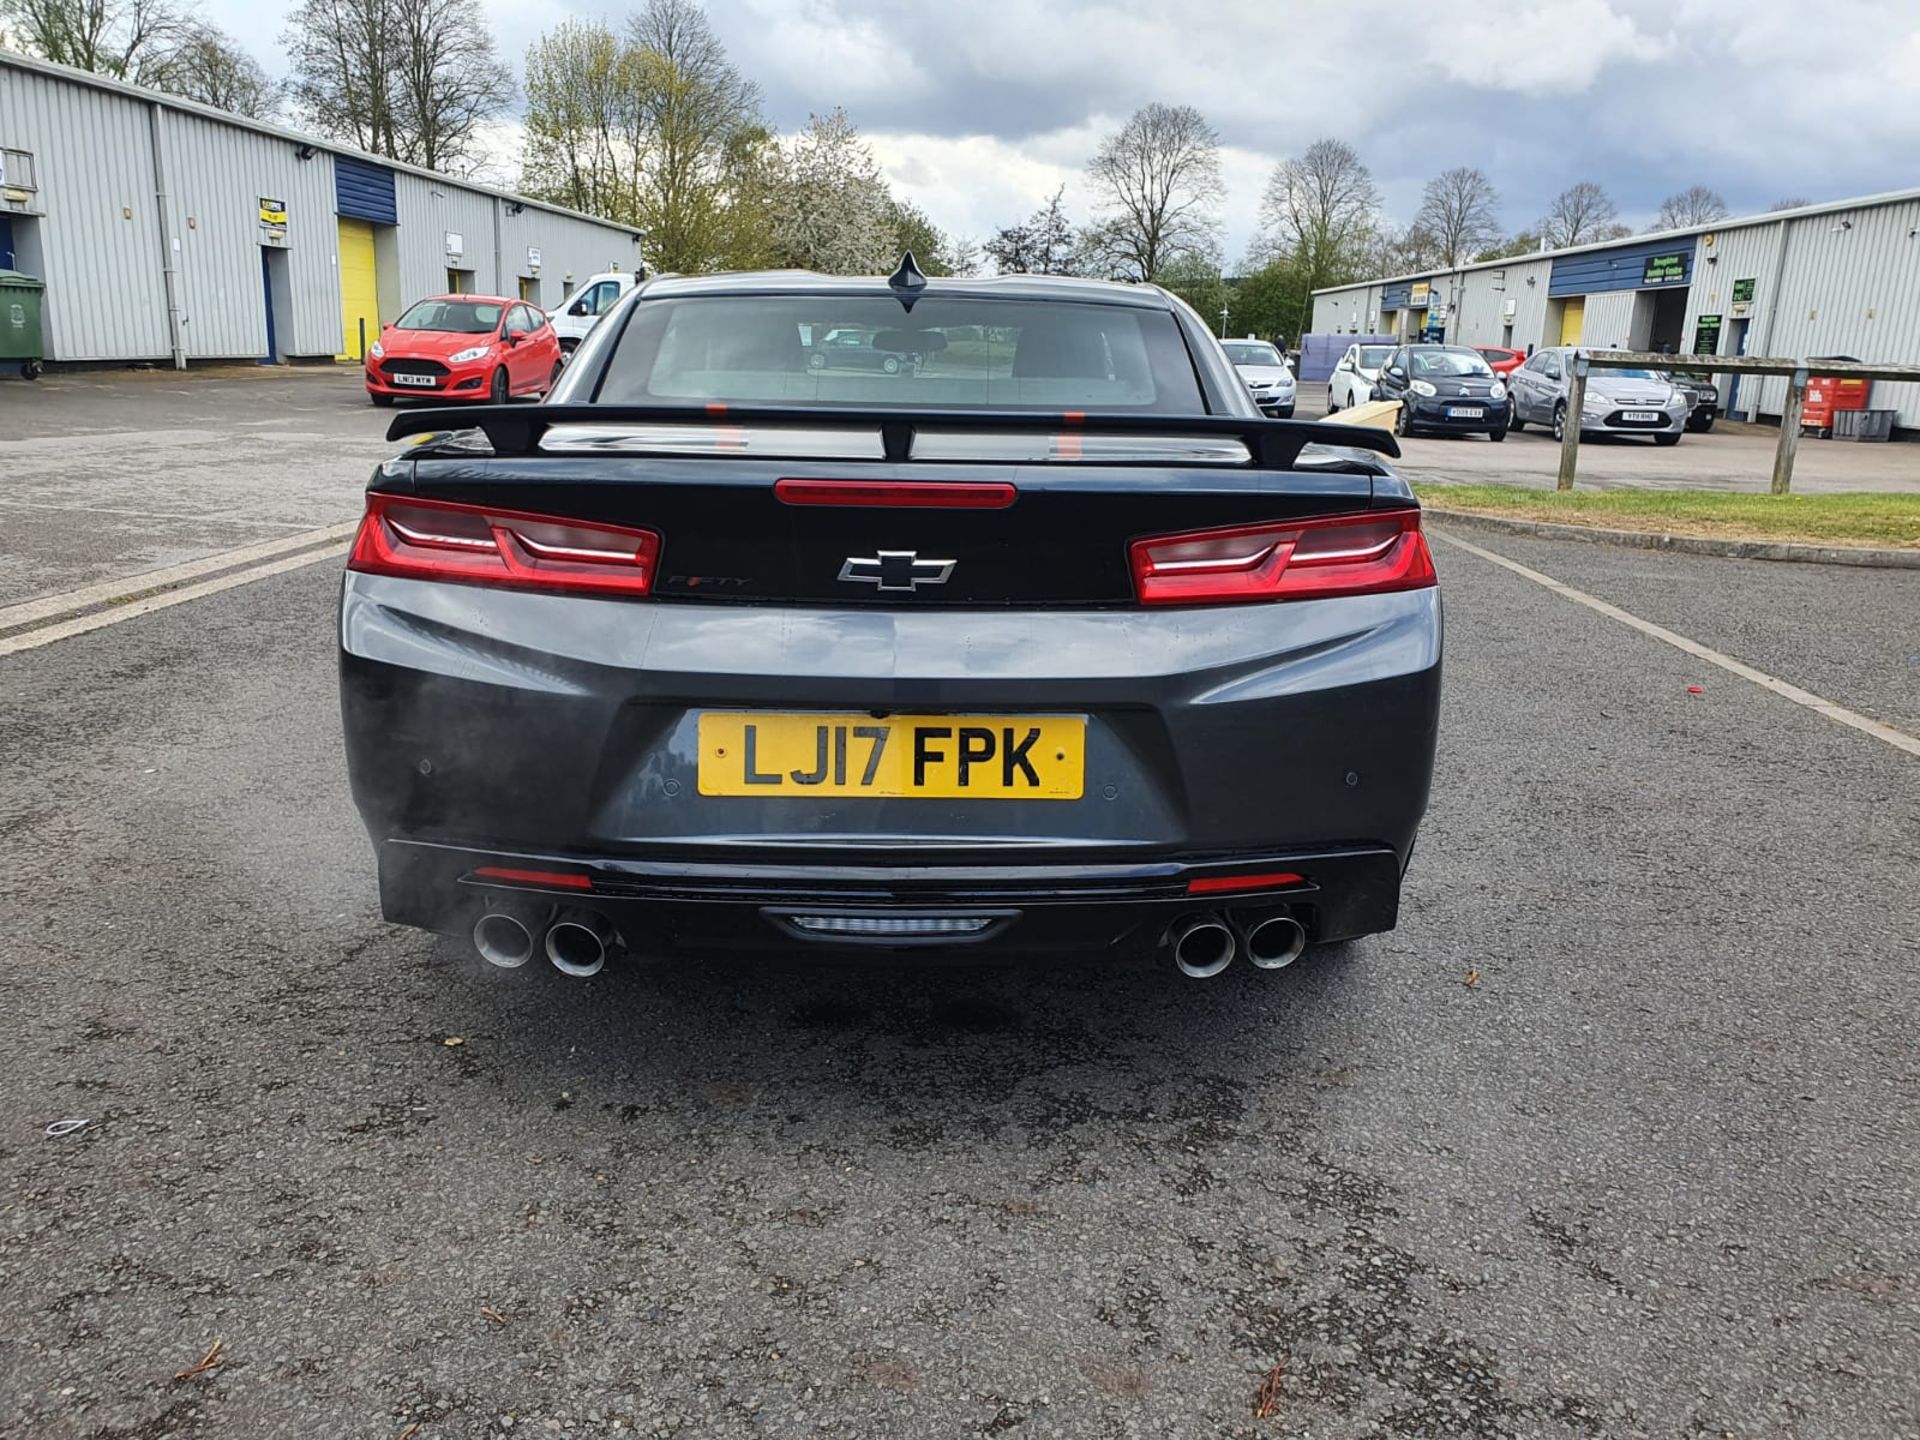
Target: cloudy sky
978, 109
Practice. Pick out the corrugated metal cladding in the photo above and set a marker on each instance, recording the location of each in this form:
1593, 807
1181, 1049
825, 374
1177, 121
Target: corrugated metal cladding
98, 238
1637, 266
1396, 295
221, 177
364, 190
430, 210
570, 251
98, 231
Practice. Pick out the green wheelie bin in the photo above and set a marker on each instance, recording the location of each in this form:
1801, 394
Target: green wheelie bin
20, 342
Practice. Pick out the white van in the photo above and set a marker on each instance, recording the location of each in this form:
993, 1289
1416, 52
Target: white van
576, 316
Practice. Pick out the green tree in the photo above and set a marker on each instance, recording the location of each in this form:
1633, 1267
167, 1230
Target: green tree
912, 230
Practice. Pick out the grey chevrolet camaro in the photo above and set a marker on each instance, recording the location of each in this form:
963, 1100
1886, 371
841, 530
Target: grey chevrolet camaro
1048, 643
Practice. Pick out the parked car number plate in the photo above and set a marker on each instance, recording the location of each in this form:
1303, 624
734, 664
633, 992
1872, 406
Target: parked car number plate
1466, 412
422, 380
973, 757
1642, 417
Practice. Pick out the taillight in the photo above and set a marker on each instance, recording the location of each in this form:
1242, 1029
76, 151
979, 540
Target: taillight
1297, 560
442, 540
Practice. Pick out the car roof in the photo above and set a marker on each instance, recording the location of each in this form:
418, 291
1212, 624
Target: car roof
994, 287
477, 299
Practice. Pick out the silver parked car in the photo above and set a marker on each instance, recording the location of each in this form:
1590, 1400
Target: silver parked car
1619, 402
1267, 375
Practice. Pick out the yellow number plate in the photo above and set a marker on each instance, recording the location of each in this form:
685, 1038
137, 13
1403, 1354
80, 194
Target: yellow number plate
974, 757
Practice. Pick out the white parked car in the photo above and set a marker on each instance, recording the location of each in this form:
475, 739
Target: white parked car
585, 306
1355, 376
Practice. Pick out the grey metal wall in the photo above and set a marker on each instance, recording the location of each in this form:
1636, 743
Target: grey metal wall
1479, 312
428, 209
100, 235
570, 251
1609, 320
220, 175
1850, 285
1351, 310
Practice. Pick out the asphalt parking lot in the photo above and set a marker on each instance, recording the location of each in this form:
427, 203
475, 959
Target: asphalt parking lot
1617, 1135
1732, 456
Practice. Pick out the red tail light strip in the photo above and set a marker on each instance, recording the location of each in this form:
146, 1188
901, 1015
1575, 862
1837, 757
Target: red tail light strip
1369, 554
899, 494
544, 879
1227, 884
476, 544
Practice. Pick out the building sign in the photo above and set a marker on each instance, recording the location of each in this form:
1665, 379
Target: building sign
1706, 335
273, 212
1665, 269
1742, 298
1418, 296
456, 244
533, 260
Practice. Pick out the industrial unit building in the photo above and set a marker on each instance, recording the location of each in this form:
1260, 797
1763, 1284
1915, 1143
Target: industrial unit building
168, 230
1836, 279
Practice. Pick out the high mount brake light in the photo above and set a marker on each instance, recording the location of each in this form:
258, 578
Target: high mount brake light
1370, 554
480, 545
899, 494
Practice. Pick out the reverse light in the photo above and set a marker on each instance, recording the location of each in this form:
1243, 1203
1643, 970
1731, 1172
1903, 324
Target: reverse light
478, 352
1371, 554
479, 545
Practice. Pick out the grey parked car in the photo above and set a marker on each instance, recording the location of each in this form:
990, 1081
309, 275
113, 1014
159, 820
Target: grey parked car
1266, 374
1619, 402
1058, 647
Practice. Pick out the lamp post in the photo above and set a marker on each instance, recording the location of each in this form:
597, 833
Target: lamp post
1223, 322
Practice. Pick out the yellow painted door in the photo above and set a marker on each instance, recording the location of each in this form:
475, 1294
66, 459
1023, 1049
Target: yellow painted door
1573, 319
359, 288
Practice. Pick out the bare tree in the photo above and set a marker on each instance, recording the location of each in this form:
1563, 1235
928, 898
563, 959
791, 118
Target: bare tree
1159, 181
1321, 214
210, 67
1695, 205
123, 38
413, 80
1459, 214
1579, 214
1791, 202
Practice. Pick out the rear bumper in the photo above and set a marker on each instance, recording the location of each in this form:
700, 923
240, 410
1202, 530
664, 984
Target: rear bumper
523, 731
1021, 909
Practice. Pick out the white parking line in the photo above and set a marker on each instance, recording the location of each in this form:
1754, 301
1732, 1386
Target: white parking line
156, 515
322, 543
1886, 734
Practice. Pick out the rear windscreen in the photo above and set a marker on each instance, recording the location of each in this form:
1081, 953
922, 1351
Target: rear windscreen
951, 353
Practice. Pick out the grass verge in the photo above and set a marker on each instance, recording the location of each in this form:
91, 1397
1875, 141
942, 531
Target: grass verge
1848, 518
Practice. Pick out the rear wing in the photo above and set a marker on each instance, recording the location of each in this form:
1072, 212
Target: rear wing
890, 435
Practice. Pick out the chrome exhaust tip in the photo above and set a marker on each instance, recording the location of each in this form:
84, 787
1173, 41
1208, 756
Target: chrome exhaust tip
577, 944
503, 940
1202, 945
1276, 942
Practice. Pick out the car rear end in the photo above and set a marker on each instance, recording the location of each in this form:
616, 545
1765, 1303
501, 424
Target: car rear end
787, 668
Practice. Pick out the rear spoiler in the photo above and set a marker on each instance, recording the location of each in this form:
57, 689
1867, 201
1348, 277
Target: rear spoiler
1273, 444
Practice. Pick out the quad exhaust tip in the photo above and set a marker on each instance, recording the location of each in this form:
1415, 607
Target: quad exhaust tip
1276, 942
577, 944
1202, 945
503, 940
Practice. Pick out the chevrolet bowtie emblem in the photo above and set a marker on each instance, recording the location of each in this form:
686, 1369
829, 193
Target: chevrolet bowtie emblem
896, 570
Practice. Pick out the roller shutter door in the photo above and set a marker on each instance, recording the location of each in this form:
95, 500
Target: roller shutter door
359, 288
